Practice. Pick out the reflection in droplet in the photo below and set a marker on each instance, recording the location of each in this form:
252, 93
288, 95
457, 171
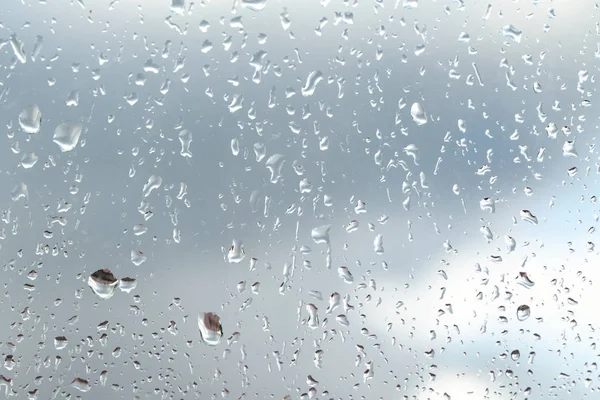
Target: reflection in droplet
30, 119
210, 327
523, 312
66, 135
103, 283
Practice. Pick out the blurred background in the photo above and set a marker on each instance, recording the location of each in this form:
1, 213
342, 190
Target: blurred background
379, 199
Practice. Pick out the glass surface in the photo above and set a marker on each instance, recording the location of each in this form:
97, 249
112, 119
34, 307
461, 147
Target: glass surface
303, 199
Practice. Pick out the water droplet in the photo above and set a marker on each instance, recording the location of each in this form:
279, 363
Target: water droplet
139, 229
511, 244
254, 5
523, 312
345, 274
177, 7
210, 327
30, 119
515, 355
60, 342
275, 165
511, 32
127, 284
320, 234
29, 160
81, 384
185, 138
526, 215
66, 135
18, 49
487, 204
137, 257
418, 114
152, 183
103, 283
311, 83
313, 317
378, 244
342, 320
334, 302
352, 226
408, 4
236, 252
569, 149
20, 191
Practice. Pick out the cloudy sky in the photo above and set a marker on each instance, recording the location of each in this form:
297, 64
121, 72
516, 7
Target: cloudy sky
306, 150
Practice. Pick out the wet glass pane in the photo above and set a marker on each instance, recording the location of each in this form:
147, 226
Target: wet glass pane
324, 199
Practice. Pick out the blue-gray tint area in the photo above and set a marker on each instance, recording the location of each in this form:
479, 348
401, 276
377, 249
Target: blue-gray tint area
375, 199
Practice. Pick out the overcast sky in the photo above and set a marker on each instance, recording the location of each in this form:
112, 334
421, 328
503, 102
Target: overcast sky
301, 118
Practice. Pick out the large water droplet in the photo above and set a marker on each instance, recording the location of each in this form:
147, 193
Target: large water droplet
512, 32
345, 274
103, 283
236, 252
526, 215
523, 312
137, 257
313, 317
66, 135
30, 119
320, 234
60, 342
418, 114
487, 204
185, 137
311, 83
210, 327
81, 384
127, 284
275, 165
152, 183
524, 280
254, 5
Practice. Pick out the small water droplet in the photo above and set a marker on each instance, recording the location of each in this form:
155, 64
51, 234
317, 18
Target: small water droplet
523, 312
